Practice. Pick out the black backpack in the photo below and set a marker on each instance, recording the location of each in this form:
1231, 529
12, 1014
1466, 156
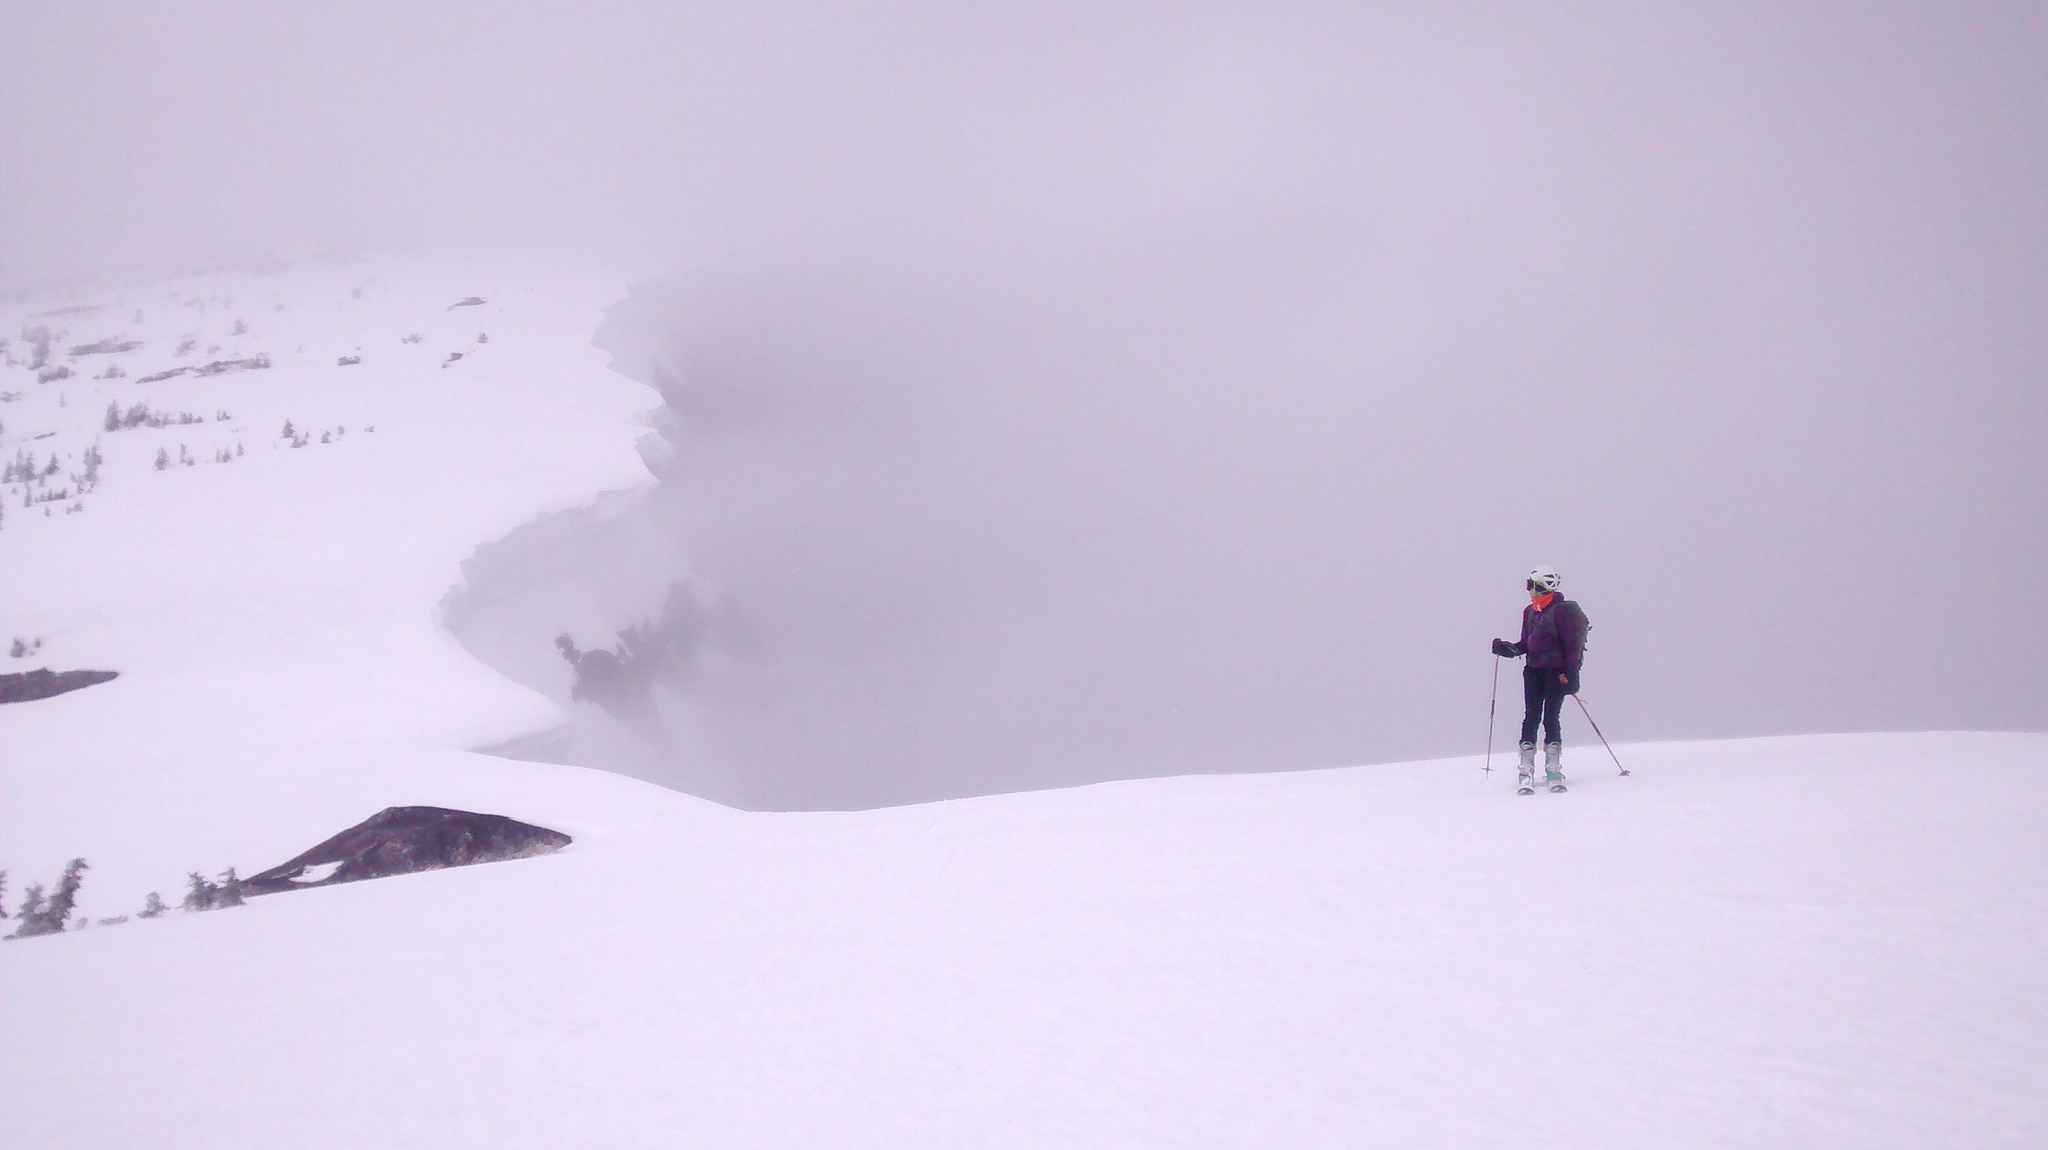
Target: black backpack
1574, 617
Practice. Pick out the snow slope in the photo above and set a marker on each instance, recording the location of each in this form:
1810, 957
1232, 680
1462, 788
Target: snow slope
1823, 941
274, 616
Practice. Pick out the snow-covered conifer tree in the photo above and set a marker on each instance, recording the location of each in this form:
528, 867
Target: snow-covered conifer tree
31, 907
199, 893
65, 897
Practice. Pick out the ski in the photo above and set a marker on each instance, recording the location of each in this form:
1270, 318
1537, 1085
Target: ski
1525, 788
1557, 788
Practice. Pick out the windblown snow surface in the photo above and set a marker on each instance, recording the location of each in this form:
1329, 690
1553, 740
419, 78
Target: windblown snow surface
1825, 941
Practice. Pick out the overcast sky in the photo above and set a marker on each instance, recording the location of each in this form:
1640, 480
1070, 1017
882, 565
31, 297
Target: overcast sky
1075, 390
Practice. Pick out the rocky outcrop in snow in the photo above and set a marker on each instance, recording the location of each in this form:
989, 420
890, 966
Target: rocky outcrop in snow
43, 683
401, 840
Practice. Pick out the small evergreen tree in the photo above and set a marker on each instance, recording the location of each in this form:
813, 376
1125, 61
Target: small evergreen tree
230, 891
289, 431
163, 459
65, 897
31, 908
113, 420
39, 915
153, 906
199, 893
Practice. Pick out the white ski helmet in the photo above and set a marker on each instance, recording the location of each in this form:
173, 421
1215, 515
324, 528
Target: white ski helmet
1544, 578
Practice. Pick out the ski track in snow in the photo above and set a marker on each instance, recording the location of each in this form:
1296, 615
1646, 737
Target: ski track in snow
1822, 941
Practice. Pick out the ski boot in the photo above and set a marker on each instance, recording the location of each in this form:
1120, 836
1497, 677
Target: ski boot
1553, 767
1526, 783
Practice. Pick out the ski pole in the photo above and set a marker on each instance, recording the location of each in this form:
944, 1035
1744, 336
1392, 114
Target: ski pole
1490, 705
1603, 738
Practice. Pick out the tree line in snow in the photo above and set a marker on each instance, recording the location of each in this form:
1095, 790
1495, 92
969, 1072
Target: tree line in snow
52, 912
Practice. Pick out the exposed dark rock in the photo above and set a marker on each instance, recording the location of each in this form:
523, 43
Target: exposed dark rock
466, 301
229, 366
217, 367
401, 840
43, 683
112, 345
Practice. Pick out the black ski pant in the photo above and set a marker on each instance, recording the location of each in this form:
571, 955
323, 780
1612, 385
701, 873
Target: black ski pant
1542, 696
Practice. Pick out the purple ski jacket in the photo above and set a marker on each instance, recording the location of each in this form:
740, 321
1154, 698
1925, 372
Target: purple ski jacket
1555, 637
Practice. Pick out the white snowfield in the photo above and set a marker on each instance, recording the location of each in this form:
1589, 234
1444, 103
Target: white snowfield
1826, 941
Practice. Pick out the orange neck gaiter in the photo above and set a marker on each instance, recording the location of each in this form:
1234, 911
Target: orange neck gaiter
1541, 601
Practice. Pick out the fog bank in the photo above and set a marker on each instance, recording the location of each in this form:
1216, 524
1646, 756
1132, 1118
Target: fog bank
1250, 505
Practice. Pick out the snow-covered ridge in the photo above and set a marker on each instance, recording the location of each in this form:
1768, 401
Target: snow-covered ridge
248, 493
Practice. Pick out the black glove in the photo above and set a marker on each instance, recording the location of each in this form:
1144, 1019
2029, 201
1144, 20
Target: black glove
1571, 682
1507, 650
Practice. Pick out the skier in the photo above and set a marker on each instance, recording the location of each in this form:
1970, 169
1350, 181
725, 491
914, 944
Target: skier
1554, 644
